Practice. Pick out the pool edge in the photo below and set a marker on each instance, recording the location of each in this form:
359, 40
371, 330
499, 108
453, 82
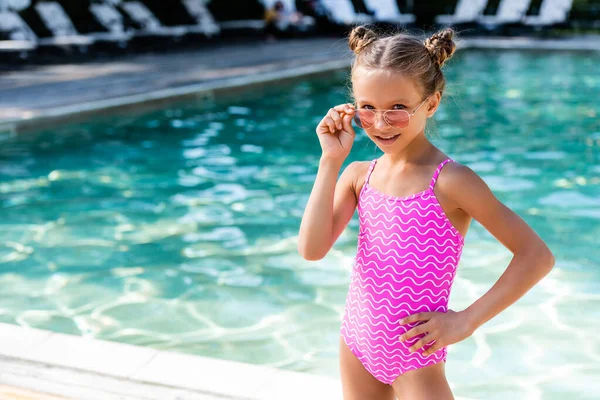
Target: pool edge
79, 367
155, 99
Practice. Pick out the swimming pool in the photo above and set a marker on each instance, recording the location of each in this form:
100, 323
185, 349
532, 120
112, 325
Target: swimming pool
176, 229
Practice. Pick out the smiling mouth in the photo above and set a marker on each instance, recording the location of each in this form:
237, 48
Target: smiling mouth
387, 140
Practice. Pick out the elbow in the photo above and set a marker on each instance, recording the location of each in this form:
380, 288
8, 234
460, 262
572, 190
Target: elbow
309, 254
545, 258
551, 261
312, 257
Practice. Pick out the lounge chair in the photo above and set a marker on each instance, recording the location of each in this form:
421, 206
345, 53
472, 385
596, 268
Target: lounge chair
466, 11
205, 22
109, 18
388, 11
16, 46
60, 25
509, 12
13, 27
52, 27
552, 12
16, 37
193, 16
342, 12
146, 22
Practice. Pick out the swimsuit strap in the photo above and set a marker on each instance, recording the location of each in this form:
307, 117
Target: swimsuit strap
370, 170
437, 172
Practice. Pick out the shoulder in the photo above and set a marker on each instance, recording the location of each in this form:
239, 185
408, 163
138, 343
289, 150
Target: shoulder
357, 170
358, 167
462, 187
454, 172
354, 175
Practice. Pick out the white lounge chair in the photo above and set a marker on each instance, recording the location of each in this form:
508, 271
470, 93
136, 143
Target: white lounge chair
509, 12
205, 22
551, 12
18, 35
16, 46
343, 13
149, 24
111, 20
58, 22
14, 5
388, 11
13, 26
466, 11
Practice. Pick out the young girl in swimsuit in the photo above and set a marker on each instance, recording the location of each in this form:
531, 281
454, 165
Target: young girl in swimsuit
415, 205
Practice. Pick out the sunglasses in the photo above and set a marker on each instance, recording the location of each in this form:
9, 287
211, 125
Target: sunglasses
365, 118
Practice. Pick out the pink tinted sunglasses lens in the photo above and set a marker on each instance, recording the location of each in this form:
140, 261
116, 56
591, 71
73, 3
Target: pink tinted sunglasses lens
397, 118
364, 118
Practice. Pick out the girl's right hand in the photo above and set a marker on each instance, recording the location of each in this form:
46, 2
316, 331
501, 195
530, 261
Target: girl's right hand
335, 132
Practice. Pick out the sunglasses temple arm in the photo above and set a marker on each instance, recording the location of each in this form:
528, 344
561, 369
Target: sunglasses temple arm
417, 109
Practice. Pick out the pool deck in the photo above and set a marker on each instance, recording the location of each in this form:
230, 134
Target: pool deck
38, 94
38, 364
59, 366
35, 96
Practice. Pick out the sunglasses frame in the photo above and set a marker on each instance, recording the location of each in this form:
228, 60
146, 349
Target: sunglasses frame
359, 123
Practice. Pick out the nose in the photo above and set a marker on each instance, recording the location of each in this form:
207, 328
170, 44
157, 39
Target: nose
380, 123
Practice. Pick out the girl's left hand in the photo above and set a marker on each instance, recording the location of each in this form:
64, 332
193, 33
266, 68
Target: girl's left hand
445, 328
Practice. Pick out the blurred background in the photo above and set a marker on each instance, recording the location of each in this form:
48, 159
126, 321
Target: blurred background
38, 30
140, 202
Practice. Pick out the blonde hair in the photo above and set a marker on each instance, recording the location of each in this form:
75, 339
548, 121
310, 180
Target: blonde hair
419, 59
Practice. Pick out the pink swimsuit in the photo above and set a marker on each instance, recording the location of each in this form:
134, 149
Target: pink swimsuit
406, 261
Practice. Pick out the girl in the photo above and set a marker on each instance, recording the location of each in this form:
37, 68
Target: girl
415, 205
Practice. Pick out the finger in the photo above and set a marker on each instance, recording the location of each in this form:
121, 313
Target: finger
335, 116
347, 122
434, 347
424, 316
345, 108
413, 332
422, 342
330, 123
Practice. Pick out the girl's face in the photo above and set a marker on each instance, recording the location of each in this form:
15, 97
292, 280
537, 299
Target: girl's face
378, 89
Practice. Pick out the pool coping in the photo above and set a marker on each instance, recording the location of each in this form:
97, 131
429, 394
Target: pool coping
82, 367
154, 99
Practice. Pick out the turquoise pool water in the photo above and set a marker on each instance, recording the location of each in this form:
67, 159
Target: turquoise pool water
177, 229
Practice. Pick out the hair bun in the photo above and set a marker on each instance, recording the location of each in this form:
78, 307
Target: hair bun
361, 37
441, 46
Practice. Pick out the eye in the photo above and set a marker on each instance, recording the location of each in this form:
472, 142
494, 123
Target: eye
368, 107
398, 107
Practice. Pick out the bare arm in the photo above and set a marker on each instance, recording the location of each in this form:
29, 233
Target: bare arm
329, 209
532, 259
330, 205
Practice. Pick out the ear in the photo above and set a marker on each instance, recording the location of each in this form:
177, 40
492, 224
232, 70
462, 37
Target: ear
433, 103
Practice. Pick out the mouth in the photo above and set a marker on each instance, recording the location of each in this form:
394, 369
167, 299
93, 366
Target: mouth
387, 140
